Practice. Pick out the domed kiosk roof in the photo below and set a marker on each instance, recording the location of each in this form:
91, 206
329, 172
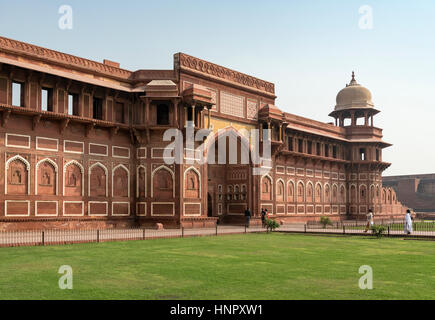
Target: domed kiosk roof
353, 96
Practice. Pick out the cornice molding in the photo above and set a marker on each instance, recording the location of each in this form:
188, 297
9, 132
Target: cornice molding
186, 62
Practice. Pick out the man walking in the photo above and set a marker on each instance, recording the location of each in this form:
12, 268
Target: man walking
408, 222
247, 217
263, 218
369, 220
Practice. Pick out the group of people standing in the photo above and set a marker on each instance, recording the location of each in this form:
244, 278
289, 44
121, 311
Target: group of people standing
264, 217
407, 225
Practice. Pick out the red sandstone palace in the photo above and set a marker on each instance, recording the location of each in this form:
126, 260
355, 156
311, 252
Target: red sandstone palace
81, 146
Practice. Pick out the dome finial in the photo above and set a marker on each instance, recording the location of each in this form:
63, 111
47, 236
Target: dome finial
353, 81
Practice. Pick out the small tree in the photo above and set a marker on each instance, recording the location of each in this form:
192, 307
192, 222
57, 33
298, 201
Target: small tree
325, 221
378, 230
271, 224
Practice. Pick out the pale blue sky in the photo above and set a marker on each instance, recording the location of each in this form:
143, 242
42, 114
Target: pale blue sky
307, 48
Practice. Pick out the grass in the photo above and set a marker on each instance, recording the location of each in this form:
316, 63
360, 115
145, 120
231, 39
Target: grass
420, 226
247, 266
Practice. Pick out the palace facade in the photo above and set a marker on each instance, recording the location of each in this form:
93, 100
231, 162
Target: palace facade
82, 146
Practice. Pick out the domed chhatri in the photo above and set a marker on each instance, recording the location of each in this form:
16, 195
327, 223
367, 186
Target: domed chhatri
354, 102
353, 96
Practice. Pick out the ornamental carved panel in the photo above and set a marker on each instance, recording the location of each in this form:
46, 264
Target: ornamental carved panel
163, 184
141, 181
266, 188
73, 180
191, 184
17, 177
120, 182
97, 184
46, 179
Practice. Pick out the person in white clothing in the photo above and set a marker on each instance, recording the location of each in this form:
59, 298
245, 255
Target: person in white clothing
408, 222
369, 220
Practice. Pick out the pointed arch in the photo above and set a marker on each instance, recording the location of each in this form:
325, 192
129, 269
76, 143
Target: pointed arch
334, 193
342, 197
121, 167
291, 194
197, 187
318, 190
353, 194
309, 194
138, 181
266, 187
156, 170
362, 193
82, 173
280, 190
106, 173
26, 164
300, 191
372, 194
56, 173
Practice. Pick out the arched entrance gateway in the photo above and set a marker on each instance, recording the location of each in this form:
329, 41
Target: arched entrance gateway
229, 171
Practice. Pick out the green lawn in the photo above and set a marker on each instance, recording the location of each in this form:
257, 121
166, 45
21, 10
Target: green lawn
247, 266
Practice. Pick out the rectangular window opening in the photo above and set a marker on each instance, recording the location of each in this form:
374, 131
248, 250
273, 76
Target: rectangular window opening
17, 94
300, 145
97, 109
73, 104
362, 154
119, 112
290, 143
47, 99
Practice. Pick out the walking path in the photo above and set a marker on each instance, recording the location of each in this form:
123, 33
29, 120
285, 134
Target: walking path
28, 238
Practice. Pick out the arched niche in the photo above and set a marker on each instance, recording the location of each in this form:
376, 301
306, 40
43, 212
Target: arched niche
73, 175
192, 183
18, 173
120, 181
46, 179
98, 180
163, 184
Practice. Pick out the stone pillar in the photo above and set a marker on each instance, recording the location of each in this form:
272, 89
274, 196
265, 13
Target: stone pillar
209, 118
193, 115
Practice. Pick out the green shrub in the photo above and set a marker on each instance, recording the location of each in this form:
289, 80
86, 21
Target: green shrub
271, 224
325, 221
378, 230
